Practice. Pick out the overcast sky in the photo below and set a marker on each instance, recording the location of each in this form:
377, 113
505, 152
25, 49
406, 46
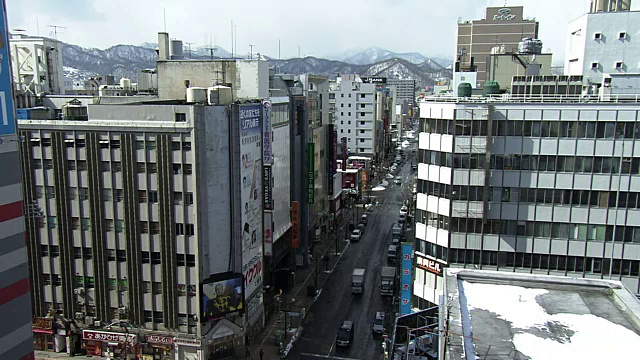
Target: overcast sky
321, 28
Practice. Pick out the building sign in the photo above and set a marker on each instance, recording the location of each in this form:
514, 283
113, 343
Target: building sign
295, 226
187, 342
406, 279
266, 184
504, 14
330, 163
267, 150
223, 295
430, 265
311, 178
268, 233
105, 336
250, 128
158, 339
344, 153
7, 112
41, 323
334, 160
374, 80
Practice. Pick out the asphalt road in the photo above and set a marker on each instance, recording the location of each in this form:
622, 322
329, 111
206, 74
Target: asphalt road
336, 302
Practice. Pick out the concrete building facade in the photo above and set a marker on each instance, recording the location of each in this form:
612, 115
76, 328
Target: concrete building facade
126, 244
603, 43
543, 188
405, 90
36, 64
501, 26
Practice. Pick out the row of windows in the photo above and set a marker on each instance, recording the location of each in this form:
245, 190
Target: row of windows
144, 196
111, 144
114, 166
454, 192
543, 229
145, 227
119, 255
362, 106
544, 129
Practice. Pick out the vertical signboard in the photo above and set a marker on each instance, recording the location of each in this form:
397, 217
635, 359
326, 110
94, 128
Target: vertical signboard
268, 233
329, 162
311, 173
295, 225
344, 153
406, 279
334, 160
267, 150
251, 195
7, 122
266, 184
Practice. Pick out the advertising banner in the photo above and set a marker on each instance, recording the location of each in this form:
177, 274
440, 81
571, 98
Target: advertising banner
429, 264
267, 149
7, 122
266, 184
268, 233
311, 191
222, 297
295, 225
112, 337
330, 162
406, 279
251, 195
344, 153
334, 160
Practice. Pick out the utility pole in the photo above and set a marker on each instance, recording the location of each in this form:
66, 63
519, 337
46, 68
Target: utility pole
55, 30
251, 51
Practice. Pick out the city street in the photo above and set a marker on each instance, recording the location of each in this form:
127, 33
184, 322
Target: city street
336, 302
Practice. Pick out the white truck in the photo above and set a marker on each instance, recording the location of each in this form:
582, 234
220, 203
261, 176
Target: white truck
357, 281
387, 283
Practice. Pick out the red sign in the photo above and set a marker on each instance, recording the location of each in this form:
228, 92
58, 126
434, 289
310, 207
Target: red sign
429, 265
253, 273
295, 228
108, 336
157, 339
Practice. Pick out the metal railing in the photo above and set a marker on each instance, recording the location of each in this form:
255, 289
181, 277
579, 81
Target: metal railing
548, 99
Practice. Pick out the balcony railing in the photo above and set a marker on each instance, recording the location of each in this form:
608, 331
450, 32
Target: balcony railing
507, 98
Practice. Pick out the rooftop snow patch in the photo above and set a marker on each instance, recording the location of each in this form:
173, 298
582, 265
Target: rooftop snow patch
518, 316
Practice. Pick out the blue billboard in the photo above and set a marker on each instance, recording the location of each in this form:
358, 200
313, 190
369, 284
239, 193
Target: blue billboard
7, 112
406, 279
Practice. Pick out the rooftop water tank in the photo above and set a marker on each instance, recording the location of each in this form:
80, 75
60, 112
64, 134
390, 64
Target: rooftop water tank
176, 50
125, 83
464, 89
219, 95
196, 95
491, 88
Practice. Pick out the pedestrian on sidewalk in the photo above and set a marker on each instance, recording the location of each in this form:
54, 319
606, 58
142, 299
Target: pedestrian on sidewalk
261, 354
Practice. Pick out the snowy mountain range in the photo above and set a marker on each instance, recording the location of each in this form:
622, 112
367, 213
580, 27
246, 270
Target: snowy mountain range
126, 60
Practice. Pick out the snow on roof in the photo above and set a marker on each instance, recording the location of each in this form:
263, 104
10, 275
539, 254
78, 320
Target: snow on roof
540, 317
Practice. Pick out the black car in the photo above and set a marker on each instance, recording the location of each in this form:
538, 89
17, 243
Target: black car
345, 334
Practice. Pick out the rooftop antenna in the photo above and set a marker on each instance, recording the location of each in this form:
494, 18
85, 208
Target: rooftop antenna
189, 45
55, 30
251, 51
232, 39
165, 19
37, 26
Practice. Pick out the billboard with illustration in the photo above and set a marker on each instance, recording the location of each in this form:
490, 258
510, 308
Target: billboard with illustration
7, 112
222, 296
251, 195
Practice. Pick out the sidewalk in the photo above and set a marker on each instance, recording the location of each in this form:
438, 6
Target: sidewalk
304, 277
47, 355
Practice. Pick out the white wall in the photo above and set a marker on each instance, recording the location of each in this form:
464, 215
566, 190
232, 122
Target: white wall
281, 181
574, 51
253, 79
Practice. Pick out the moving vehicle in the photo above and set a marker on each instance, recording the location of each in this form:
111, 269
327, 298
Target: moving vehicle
388, 279
355, 235
345, 334
398, 180
414, 167
378, 323
361, 227
392, 253
364, 218
403, 210
357, 281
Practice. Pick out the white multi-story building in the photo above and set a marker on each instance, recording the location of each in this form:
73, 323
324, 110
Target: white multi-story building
405, 90
544, 188
600, 43
149, 214
355, 114
36, 64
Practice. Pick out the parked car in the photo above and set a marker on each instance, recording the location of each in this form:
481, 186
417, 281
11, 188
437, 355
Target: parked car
364, 218
392, 253
414, 167
403, 210
378, 323
398, 180
402, 218
345, 334
361, 227
355, 235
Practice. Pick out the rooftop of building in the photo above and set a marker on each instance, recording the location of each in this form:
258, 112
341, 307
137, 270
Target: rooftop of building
497, 315
547, 99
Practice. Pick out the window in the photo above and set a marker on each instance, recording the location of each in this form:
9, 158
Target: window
189, 199
191, 260
342, 105
597, 36
44, 250
139, 144
186, 146
177, 169
180, 260
121, 255
144, 227
46, 141
75, 223
349, 104
50, 191
153, 196
180, 117
55, 250
622, 35
151, 145
37, 164
175, 145
179, 229
145, 256
83, 193
82, 165
85, 223
595, 65
155, 258
152, 168
51, 222
619, 65
190, 230
119, 226
108, 224
48, 164
177, 198
115, 144
118, 194
155, 227
157, 317
141, 167
186, 169
362, 114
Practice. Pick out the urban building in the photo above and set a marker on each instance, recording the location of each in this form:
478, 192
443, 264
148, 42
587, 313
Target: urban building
36, 64
602, 42
125, 247
16, 327
355, 114
543, 187
501, 26
503, 66
486, 314
405, 90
